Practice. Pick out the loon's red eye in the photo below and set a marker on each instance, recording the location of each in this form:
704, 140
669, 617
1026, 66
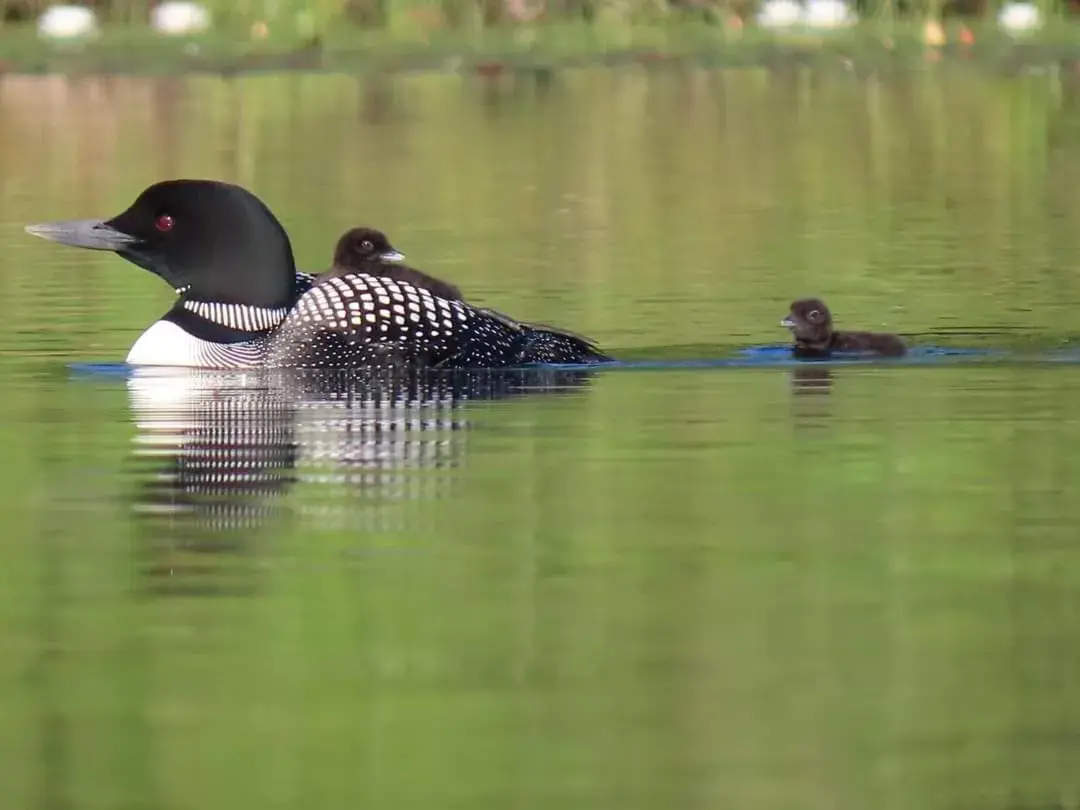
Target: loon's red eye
164, 223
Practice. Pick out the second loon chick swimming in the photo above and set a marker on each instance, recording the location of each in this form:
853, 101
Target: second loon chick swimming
367, 250
242, 304
811, 325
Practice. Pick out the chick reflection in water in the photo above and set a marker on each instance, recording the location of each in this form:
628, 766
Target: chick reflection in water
217, 451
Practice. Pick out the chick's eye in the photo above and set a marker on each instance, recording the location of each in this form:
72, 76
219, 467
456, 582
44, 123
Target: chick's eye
814, 316
367, 244
164, 223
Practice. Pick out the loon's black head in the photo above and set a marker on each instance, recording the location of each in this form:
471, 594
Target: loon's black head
361, 245
210, 241
809, 321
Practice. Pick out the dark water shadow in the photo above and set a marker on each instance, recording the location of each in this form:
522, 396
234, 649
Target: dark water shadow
811, 404
812, 380
216, 453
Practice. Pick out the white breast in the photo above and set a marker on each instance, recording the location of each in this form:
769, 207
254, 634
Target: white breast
166, 344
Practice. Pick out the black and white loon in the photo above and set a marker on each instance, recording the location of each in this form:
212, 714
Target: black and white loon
244, 305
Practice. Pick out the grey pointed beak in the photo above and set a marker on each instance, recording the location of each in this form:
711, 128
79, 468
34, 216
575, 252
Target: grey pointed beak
93, 234
392, 256
787, 322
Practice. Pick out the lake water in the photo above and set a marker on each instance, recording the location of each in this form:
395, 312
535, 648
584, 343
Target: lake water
823, 587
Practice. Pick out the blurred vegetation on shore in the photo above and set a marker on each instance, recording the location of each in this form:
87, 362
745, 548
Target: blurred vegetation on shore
309, 16
404, 35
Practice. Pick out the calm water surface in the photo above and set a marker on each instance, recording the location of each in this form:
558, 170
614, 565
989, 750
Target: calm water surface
853, 587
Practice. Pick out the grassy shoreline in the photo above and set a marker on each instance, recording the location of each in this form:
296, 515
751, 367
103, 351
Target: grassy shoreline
137, 50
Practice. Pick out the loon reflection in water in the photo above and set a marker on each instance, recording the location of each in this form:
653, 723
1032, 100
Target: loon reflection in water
216, 451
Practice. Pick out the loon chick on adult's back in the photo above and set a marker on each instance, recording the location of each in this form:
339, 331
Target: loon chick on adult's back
242, 303
368, 250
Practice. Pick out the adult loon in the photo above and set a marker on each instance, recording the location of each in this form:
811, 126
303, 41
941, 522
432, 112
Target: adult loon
242, 303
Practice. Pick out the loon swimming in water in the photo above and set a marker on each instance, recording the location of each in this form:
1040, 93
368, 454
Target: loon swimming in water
811, 326
243, 304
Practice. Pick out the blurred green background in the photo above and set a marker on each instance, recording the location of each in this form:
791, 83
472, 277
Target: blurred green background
463, 35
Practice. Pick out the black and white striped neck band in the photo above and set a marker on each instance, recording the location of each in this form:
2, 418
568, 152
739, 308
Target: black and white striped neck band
243, 317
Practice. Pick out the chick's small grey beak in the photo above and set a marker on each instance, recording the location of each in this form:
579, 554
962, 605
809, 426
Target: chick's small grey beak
392, 256
788, 322
93, 234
